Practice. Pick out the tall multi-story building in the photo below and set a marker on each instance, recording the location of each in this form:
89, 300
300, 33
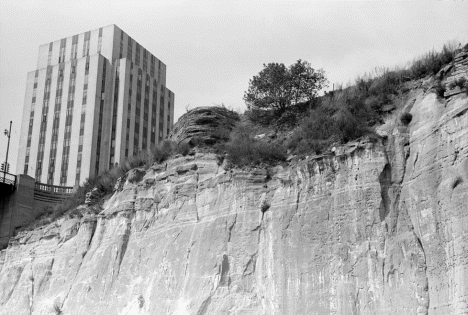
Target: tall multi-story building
95, 99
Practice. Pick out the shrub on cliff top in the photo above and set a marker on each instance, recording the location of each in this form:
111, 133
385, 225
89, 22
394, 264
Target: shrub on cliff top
340, 117
183, 148
431, 62
276, 88
163, 151
243, 149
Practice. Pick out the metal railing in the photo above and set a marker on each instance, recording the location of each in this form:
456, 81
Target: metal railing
54, 189
8, 178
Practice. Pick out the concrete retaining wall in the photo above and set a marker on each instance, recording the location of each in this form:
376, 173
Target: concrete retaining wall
23, 204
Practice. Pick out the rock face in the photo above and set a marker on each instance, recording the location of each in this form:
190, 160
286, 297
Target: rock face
205, 124
375, 228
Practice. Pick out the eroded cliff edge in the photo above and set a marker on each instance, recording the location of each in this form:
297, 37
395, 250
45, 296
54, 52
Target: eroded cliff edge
374, 228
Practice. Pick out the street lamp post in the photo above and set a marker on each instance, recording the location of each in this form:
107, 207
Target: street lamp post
8, 134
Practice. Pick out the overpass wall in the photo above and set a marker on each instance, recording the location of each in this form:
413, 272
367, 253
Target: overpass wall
26, 203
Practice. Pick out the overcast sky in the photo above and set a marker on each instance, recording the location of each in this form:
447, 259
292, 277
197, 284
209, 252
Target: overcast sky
213, 48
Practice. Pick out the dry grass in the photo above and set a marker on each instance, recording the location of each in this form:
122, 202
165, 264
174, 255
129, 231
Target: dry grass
349, 113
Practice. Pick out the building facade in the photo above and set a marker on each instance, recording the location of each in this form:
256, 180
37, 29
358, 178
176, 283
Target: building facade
95, 99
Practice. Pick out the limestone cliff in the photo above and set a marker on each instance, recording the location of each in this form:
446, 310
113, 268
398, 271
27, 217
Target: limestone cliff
373, 228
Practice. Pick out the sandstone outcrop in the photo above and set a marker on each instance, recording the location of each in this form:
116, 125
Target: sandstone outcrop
373, 228
207, 125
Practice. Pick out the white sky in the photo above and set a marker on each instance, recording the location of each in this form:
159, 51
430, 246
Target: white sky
213, 48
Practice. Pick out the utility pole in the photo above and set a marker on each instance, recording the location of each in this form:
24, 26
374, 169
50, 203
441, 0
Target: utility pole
8, 134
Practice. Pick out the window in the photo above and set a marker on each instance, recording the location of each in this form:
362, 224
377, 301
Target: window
74, 51
86, 48
62, 53
152, 67
145, 63
85, 96
99, 44
137, 54
74, 48
130, 50
86, 44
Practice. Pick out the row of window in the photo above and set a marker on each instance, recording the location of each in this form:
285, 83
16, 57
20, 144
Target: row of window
137, 60
68, 123
114, 115
31, 123
55, 127
101, 113
145, 120
82, 120
43, 126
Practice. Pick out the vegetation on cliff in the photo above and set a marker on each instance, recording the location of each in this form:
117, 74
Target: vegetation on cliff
277, 88
105, 181
346, 114
285, 116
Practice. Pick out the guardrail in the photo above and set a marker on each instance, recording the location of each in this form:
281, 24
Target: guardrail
8, 178
54, 189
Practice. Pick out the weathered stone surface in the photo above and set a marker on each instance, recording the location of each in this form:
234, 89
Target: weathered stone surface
206, 124
120, 182
92, 196
135, 175
458, 70
370, 229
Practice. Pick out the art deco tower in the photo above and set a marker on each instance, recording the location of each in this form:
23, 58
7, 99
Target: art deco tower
95, 99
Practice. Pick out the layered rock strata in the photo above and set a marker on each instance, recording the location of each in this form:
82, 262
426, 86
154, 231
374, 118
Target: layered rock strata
206, 125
